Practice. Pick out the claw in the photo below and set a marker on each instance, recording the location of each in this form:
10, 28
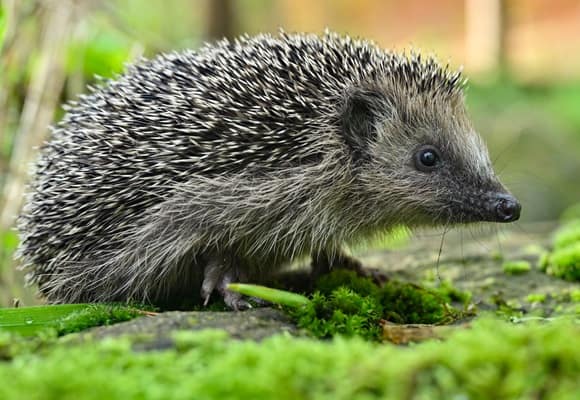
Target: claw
211, 278
217, 276
235, 301
207, 288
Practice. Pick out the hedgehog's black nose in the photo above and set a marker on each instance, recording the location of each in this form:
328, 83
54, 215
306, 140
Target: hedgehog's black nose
507, 208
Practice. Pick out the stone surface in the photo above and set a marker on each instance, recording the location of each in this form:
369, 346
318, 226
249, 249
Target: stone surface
156, 330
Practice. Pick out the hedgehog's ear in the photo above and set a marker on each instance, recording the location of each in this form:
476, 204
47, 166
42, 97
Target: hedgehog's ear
360, 113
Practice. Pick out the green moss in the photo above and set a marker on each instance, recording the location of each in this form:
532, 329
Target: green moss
516, 267
493, 360
96, 315
505, 308
567, 235
452, 294
536, 298
343, 312
411, 304
326, 284
565, 262
544, 261
349, 305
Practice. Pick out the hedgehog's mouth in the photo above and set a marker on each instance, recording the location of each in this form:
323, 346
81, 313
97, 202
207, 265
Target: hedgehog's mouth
487, 207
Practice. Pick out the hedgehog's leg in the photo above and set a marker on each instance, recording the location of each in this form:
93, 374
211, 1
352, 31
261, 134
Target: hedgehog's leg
324, 262
218, 273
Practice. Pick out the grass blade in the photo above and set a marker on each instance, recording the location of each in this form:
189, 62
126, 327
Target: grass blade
29, 320
282, 297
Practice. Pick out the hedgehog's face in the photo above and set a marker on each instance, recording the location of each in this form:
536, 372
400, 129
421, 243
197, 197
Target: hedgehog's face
421, 162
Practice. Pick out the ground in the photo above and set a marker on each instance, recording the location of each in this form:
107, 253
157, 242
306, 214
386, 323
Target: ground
470, 261
516, 341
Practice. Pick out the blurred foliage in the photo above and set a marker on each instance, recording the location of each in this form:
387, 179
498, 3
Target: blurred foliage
557, 102
533, 134
103, 55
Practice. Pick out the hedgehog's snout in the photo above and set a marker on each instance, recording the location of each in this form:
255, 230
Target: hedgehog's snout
485, 206
504, 208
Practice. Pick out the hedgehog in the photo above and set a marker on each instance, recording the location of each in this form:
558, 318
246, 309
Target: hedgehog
199, 168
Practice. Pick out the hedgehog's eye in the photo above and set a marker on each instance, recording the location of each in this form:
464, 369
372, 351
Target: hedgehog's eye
427, 158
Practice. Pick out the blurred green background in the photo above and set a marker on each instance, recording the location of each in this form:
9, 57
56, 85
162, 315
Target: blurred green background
522, 58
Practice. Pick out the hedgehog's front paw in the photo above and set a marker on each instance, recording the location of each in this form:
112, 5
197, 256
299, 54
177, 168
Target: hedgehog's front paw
324, 263
217, 276
378, 276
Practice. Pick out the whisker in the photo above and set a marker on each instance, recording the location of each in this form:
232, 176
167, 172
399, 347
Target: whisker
439, 280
